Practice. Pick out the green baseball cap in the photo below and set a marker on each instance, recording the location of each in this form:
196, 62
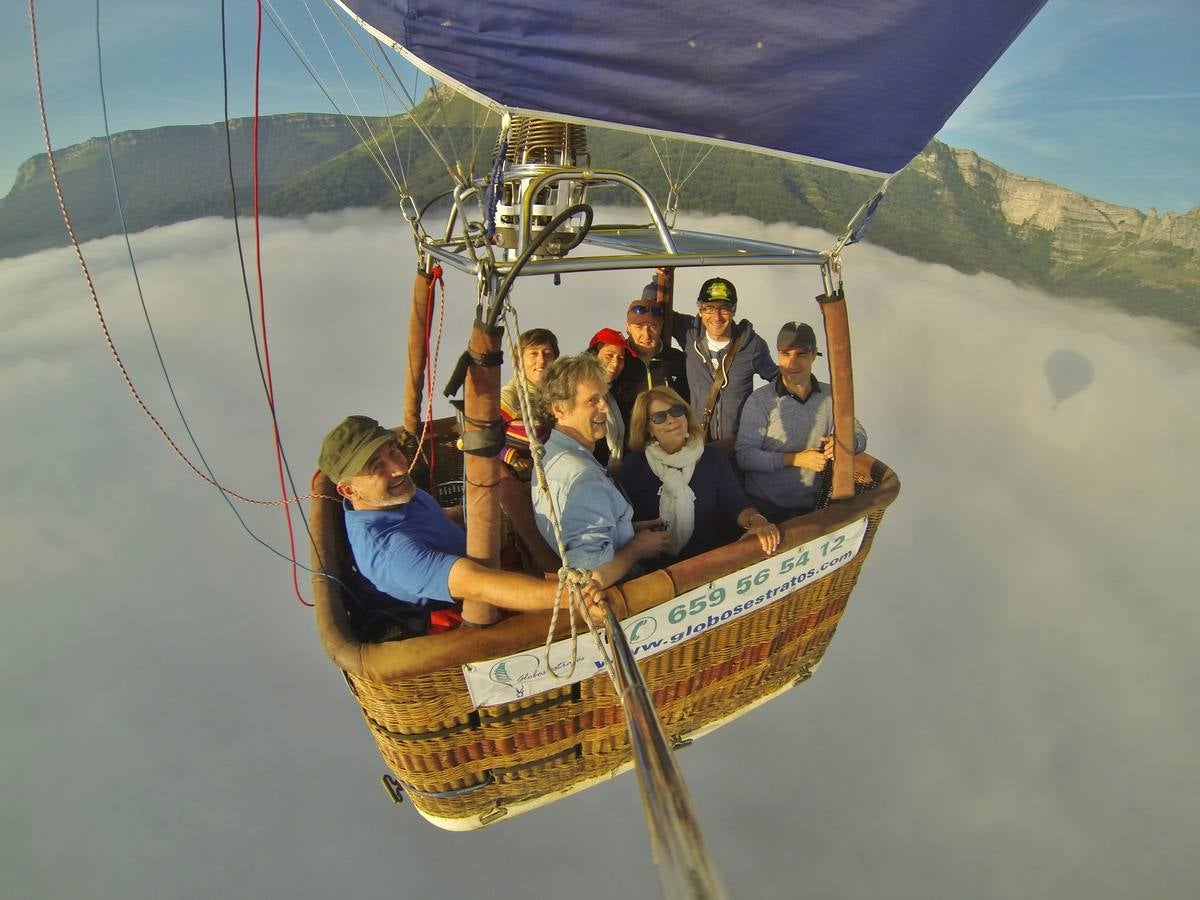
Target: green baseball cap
346, 449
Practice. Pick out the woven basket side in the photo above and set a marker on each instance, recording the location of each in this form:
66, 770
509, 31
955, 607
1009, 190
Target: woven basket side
464, 766
550, 743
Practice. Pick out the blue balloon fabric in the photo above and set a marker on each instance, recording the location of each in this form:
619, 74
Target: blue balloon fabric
860, 84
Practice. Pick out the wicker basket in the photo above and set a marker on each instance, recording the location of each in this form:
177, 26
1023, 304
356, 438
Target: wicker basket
464, 767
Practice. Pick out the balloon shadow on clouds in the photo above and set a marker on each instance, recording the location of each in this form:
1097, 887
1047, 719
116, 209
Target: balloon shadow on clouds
1068, 372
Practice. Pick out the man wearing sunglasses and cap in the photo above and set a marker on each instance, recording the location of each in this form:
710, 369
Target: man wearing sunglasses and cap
723, 356
653, 362
403, 542
785, 435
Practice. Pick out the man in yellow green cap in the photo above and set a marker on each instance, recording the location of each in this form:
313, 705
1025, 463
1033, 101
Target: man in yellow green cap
403, 542
723, 356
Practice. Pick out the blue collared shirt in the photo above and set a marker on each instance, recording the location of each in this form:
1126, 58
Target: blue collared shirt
407, 551
596, 520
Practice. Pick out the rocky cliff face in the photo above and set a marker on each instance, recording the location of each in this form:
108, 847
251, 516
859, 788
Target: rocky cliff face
1080, 224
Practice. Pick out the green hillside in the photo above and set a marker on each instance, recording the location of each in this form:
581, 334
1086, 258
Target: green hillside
166, 174
313, 163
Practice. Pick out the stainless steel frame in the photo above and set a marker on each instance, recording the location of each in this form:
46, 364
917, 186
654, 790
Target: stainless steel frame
464, 245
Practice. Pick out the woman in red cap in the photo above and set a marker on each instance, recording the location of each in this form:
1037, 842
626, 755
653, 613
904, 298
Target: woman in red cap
609, 346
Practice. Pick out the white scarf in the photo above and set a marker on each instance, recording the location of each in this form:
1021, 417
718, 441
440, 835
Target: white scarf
676, 501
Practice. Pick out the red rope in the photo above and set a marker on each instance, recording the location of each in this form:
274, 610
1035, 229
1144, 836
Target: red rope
91, 286
262, 311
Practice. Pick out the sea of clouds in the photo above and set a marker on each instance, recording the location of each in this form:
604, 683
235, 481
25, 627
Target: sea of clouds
1007, 711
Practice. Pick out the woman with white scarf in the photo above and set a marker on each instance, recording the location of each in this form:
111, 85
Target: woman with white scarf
670, 473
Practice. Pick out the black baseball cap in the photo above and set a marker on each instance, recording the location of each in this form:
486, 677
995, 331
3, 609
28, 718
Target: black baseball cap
717, 290
797, 334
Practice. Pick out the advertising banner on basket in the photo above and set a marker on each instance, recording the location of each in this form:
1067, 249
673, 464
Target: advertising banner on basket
662, 627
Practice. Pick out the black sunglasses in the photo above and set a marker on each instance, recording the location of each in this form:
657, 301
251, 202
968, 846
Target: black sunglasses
655, 311
661, 416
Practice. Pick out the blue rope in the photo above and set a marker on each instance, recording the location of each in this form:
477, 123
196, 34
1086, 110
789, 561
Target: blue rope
146, 313
868, 212
492, 195
868, 216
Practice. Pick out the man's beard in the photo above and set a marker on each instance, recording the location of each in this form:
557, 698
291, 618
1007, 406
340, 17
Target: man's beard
390, 501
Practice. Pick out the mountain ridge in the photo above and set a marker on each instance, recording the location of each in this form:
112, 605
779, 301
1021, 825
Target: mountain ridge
950, 205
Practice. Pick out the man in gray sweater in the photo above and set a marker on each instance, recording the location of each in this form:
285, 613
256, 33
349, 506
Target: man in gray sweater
785, 435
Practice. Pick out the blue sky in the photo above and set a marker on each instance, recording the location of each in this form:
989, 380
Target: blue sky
1102, 97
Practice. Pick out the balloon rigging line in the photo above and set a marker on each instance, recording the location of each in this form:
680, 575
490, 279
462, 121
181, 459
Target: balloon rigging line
141, 294
246, 291
412, 103
666, 166
300, 55
391, 125
262, 305
350, 92
237, 231
87, 275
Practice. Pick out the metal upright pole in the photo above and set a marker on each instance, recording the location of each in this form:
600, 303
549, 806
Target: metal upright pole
685, 867
665, 278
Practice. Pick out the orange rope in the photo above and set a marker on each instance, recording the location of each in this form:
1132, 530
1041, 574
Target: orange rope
87, 276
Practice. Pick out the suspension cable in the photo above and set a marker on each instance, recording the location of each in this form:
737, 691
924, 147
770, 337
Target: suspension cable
300, 55
245, 280
353, 99
388, 115
262, 305
87, 275
700, 160
675, 185
385, 53
450, 168
141, 294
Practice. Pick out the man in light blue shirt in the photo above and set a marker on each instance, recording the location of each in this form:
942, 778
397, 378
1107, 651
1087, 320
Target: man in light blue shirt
596, 521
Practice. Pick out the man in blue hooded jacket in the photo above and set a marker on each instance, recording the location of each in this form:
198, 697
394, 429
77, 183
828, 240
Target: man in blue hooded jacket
721, 351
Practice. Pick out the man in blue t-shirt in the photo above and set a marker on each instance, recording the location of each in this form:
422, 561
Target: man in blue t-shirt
403, 542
